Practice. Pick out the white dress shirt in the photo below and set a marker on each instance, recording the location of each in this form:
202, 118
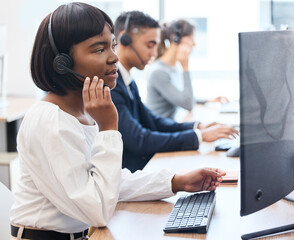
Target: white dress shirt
127, 78
70, 173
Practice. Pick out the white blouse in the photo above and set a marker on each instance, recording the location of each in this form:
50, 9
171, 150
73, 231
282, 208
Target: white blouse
70, 173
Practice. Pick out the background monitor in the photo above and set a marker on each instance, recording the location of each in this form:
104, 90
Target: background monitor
266, 61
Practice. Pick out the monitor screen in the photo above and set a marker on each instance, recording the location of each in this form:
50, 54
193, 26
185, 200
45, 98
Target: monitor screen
266, 61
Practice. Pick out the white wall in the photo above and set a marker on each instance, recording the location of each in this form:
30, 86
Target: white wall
22, 18
150, 7
225, 19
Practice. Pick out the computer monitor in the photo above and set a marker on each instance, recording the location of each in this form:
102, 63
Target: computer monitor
266, 67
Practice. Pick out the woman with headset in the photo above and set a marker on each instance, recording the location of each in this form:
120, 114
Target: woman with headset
169, 84
70, 150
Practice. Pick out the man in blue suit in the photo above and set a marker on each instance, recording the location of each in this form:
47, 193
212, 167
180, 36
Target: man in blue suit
144, 133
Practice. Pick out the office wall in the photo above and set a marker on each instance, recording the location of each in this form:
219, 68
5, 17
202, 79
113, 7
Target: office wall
224, 20
21, 18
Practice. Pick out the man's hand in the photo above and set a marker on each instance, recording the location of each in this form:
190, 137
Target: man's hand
206, 125
218, 131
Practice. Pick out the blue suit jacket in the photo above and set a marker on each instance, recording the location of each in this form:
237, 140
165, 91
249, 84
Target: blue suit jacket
144, 133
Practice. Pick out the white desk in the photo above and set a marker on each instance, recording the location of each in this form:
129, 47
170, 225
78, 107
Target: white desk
145, 220
9, 169
210, 112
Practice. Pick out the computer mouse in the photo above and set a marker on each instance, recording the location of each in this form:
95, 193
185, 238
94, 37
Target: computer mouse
233, 152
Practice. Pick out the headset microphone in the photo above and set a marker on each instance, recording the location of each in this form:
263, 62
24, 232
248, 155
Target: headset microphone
138, 55
62, 62
72, 71
126, 39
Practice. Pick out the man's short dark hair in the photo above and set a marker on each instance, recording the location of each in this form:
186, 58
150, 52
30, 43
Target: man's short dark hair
137, 20
71, 24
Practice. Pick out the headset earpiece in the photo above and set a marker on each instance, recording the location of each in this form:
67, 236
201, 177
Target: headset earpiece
62, 62
177, 39
177, 34
126, 38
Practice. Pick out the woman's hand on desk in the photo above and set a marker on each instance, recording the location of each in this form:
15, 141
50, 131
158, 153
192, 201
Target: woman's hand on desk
198, 180
219, 99
216, 131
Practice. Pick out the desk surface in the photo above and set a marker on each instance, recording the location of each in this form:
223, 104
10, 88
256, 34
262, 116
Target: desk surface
6, 158
145, 220
16, 108
210, 112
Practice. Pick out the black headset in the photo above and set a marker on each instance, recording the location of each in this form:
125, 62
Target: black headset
126, 38
62, 62
177, 33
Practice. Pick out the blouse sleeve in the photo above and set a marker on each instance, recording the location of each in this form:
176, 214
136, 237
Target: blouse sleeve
145, 186
54, 150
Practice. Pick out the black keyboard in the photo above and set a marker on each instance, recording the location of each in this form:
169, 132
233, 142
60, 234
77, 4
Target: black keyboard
191, 213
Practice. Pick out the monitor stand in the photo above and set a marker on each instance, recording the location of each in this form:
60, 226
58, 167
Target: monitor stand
267, 232
271, 231
289, 198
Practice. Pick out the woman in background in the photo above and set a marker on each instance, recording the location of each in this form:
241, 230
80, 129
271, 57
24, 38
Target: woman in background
70, 150
169, 83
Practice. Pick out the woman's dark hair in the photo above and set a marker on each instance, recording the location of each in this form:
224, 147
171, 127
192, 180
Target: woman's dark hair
71, 24
168, 31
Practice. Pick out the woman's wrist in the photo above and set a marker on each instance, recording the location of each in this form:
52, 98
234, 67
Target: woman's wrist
178, 183
185, 67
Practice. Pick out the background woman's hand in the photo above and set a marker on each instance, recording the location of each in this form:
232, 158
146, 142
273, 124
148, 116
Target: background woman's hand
183, 53
219, 99
205, 179
98, 103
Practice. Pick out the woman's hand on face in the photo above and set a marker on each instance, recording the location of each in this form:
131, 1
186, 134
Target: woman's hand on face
205, 179
98, 103
183, 54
